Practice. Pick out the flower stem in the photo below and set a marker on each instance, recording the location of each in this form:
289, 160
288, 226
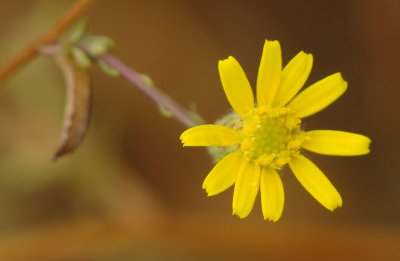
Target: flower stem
187, 118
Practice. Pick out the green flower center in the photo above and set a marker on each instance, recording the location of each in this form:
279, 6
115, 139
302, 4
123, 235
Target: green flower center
270, 136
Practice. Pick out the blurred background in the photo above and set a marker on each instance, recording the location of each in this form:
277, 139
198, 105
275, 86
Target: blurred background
131, 192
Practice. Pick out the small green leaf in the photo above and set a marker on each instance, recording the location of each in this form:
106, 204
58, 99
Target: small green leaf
165, 111
98, 45
146, 79
78, 32
80, 57
107, 69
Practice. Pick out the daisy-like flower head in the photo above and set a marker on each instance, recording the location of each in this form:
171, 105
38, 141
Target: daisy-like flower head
262, 136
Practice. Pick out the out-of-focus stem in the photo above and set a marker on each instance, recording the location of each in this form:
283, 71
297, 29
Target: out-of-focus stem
51, 35
161, 99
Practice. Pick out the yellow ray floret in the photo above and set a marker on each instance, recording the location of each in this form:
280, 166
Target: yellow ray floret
272, 195
269, 73
294, 75
236, 86
339, 143
315, 182
246, 188
210, 135
318, 96
224, 174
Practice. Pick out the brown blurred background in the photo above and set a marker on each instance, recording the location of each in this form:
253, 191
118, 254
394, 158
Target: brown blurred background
132, 193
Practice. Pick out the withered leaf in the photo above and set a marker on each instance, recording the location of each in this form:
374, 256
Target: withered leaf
77, 106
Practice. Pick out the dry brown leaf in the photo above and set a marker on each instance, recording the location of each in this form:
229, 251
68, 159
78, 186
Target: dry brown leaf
77, 107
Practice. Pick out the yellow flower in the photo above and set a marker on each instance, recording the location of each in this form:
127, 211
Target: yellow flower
263, 136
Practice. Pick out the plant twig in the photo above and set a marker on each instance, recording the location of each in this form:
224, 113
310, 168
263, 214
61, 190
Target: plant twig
185, 117
49, 36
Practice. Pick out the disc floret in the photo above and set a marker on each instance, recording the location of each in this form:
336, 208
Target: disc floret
270, 136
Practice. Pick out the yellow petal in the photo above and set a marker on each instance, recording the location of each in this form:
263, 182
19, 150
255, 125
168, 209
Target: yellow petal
236, 85
338, 143
210, 135
315, 182
246, 188
223, 175
272, 195
269, 73
318, 96
294, 75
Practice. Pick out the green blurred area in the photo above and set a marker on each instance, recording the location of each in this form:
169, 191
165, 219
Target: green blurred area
132, 193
